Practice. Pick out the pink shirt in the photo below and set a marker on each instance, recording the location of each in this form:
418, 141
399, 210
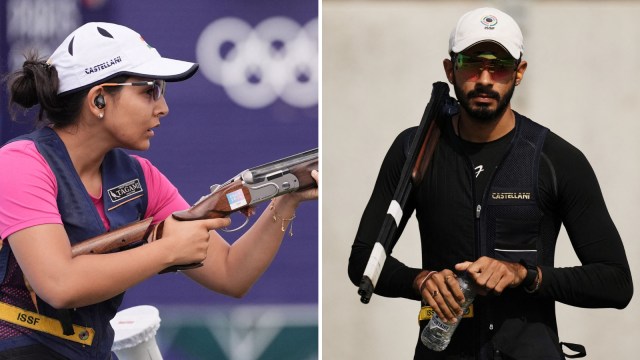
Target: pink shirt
28, 190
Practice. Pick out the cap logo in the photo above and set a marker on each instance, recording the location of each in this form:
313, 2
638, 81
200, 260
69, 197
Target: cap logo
104, 32
70, 48
489, 22
146, 43
105, 65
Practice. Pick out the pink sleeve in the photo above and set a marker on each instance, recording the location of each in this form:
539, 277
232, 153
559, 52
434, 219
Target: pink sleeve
28, 189
163, 196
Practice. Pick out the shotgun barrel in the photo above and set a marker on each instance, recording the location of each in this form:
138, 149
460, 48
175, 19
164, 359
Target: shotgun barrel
413, 170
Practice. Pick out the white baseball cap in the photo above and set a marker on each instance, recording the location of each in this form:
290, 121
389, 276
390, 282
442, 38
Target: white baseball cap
98, 51
487, 24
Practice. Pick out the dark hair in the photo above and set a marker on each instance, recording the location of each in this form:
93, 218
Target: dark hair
37, 84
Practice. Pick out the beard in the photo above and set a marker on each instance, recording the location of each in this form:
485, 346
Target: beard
483, 113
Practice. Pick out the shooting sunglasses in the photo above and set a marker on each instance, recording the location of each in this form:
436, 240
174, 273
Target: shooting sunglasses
157, 86
470, 67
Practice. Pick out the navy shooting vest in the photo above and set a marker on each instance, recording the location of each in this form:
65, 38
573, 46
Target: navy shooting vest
124, 195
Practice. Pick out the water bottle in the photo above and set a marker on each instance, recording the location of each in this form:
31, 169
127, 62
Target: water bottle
437, 334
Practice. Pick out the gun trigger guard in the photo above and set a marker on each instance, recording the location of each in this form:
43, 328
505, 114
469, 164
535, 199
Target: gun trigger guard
246, 220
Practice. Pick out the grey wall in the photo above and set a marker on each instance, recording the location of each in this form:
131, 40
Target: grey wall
379, 61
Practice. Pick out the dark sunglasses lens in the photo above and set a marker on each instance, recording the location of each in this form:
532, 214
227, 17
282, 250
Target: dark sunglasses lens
472, 66
467, 65
462, 61
503, 67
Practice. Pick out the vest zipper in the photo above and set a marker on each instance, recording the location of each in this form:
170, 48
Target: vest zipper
481, 246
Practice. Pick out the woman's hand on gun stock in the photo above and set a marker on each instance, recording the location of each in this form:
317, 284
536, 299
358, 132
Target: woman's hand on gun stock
188, 241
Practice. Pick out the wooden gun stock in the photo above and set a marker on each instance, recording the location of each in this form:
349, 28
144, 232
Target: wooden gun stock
426, 153
303, 173
128, 235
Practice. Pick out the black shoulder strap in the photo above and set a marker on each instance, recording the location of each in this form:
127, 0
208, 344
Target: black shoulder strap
64, 315
579, 349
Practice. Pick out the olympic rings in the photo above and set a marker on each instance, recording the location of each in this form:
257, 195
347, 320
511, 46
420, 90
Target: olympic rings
256, 66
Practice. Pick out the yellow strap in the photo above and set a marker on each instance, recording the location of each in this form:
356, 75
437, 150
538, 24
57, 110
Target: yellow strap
51, 326
426, 312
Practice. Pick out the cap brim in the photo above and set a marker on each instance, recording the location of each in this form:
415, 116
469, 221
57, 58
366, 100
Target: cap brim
467, 43
170, 70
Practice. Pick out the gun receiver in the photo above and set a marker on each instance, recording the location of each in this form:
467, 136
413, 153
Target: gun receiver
254, 186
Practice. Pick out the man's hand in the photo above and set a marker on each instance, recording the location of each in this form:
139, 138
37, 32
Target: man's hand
491, 275
442, 292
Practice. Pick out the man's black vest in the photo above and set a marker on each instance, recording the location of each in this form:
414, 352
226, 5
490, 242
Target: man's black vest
510, 223
507, 225
510, 216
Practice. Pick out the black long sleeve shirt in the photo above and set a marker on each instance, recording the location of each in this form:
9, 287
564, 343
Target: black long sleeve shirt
569, 195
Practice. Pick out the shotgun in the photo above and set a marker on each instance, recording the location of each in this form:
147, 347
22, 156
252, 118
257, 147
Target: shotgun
413, 170
250, 187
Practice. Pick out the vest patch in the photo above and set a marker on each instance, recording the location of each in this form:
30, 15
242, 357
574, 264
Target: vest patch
511, 196
127, 189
